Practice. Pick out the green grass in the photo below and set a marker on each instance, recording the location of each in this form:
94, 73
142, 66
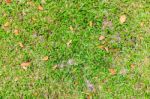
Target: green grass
47, 32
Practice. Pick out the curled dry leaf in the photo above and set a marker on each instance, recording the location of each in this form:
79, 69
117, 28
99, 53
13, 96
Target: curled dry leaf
101, 37
40, 8
21, 45
45, 58
8, 1
112, 71
122, 19
16, 32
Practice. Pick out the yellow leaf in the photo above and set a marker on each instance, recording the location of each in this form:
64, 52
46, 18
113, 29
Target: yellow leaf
45, 58
122, 19
101, 37
6, 24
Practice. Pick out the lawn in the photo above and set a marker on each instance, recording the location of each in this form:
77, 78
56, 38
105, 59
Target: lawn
75, 49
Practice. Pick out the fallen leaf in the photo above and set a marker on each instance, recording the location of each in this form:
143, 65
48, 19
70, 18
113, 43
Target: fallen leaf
142, 24
112, 71
21, 45
71, 28
101, 47
45, 58
43, 1
101, 37
106, 49
8, 1
69, 43
25, 65
6, 24
91, 23
122, 19
16, 79
16, 32
132, 66
123, 71
40, 8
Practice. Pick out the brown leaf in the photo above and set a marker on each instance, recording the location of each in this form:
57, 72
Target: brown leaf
122, 19
16, 32
112, 71
132, 66
45, 58
40, 8
91, 23
8, 1
21, 45
101, 37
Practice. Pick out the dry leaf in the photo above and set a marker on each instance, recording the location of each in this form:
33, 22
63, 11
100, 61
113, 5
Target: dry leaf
101, 37
43, 1
6, 24
21, 45
106, 49
16, 32
69, 43
25, 65
123, 71
91, 23
101, 47
71, 28
112, 71
8, 1
132, 66
142, 24
40, 8
122, 19
45, 58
